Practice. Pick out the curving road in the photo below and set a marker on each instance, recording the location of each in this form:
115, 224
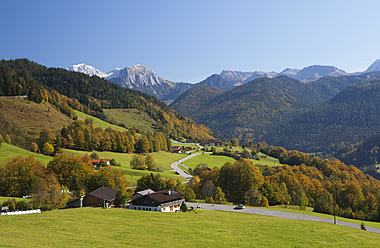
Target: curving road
181, 172
281, 214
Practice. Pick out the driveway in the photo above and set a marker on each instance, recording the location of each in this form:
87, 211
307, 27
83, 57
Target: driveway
181, 172
281, 214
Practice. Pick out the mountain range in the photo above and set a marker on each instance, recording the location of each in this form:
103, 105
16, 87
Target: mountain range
145, 80
286, 112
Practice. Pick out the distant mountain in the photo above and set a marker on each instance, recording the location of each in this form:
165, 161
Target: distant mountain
145, 80
374, 67
315, 72
87, 69
194, 99
140, 78
227, 80
246, 111
349, 117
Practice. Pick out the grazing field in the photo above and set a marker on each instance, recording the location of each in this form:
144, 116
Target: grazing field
5, 198
162, 159
309, 211
266, 160
212, 161
131, 118
9, 151
96, 227
133, 175
98, 122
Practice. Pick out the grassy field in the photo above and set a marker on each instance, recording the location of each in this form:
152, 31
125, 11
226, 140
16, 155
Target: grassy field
163, 159
133, 175
9, 151
98, 122
211, 160
266, 160
309, 211
96, 227
131, 118
4, 198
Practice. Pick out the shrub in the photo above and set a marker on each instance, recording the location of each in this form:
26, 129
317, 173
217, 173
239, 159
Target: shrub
183, 207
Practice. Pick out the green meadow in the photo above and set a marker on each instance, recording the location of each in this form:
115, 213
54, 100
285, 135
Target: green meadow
8, 151
309, 211
212, 161
131, 118
96, 227
98, 122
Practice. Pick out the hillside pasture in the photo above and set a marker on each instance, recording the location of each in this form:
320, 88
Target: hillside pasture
8, 151
98, 122
131, 118
212, 161
96, 227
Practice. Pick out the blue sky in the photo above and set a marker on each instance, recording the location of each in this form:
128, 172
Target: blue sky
190, 40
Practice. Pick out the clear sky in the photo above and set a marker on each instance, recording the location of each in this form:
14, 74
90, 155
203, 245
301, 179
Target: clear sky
190, 40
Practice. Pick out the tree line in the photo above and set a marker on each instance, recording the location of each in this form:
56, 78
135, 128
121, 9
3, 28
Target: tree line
83, 135
302, 180
63, 178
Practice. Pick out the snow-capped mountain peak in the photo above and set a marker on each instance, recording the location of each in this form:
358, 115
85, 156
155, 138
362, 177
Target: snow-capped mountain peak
87, 69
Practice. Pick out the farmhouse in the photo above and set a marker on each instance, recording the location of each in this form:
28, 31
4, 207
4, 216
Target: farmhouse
101, 197
176, 149
164, 201
97, 162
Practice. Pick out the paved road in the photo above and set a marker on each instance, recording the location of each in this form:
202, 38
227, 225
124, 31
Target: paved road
280, 214
181, 172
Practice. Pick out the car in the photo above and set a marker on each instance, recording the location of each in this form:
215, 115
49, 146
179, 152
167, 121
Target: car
239, 207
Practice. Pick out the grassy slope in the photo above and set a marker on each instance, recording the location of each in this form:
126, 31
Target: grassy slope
24, 120
164, 159
98, 122
211, 160
95, 227
5, 198
131, 118
309, 211
9, 151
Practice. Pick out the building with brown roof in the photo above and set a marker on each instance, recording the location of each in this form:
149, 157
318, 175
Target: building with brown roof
101, 197
163, 201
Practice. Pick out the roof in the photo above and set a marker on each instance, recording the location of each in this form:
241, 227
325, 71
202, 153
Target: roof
165, 196
104, 193
145, 192
99, 160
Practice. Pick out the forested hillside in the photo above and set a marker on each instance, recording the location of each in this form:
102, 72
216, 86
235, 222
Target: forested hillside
364, 155
70, 90
348, 118
283, 111
194, 99
249, 110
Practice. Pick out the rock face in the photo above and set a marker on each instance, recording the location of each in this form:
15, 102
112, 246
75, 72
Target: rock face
374, 67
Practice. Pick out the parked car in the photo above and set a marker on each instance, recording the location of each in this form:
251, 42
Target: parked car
239, 207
